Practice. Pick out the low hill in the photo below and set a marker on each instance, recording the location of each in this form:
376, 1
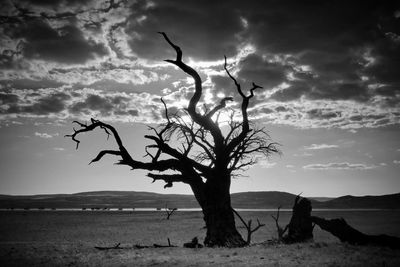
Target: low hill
364, 202
132, 199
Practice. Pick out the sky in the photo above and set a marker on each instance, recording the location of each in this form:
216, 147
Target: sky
329, 71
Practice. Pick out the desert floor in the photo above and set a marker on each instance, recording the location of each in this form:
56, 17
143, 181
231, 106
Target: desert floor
67, 238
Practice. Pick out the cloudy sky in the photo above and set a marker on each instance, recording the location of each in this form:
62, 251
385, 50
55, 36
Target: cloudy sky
330, 72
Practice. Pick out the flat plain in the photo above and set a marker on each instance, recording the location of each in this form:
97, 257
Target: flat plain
68, 238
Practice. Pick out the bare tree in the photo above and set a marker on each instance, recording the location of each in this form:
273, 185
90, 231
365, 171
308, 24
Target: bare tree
210, 154
169, 211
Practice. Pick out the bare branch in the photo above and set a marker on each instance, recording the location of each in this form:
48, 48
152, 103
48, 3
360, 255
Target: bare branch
166, 111
126, 159
248, 227
165, 148
233, 79
169, 178
203, 121
245, 103
104, 152
220, 106
281, 231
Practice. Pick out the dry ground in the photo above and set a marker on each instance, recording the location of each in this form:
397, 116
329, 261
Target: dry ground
62, 238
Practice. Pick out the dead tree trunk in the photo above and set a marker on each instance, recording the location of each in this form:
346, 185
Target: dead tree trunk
302, 224
219, 217
300, 228
342, 230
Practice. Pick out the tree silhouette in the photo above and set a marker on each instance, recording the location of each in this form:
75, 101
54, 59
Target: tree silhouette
210, 154
169, 211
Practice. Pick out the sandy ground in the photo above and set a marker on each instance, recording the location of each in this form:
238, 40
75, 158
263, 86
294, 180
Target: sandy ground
68, 239
311, 254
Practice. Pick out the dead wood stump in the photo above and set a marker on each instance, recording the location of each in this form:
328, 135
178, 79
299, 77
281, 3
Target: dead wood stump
300, 227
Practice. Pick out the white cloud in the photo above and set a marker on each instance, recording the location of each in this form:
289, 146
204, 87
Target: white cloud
267, 165
58, 148
310, 114
319, 146
339, 166
45, 135
396, 161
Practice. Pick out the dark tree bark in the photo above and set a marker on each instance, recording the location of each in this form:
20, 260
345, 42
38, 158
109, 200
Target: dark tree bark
300, 228
215, 201
342, 230
302, 224
208, 156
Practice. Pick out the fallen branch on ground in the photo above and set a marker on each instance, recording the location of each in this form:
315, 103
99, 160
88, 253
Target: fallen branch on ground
193, 244
157, 246
117, 246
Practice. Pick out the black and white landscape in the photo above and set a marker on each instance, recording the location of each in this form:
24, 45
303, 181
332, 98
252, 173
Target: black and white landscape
208, 111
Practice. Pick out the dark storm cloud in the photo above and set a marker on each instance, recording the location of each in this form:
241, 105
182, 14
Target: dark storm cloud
8, 98
204, 29
93, 102
390, 90
295, 26
222, 83
107, 84
29, 84
387, 55
347, 91
294, 92
268, 74
130, 112
103, 104
56, 3
281, 109
66, 44
7, 59
252, 68
323, 114
315, 51
266, 110
335, 39
52, 103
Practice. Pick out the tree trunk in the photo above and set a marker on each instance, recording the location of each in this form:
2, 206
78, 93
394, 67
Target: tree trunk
346, 233
219, 217
300, 226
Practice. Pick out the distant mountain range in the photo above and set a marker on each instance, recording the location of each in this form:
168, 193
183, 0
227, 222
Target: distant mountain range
247, 200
